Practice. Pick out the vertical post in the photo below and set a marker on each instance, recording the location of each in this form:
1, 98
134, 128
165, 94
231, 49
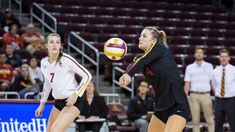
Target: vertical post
20, 12
113, 83
31, 14
69, 43
83, 52
97, 71
10, 1
233, 7
55, 22
43, 19
132, 86
220, 2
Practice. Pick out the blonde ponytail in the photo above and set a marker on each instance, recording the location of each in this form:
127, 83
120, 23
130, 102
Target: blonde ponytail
162, 37
159, 35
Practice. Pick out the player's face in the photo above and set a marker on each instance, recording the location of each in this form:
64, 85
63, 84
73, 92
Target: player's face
53, 45
146, 40
224, 59
199, 54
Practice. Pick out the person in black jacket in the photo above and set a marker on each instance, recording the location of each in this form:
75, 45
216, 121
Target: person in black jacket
171, 104
94, 107
23, 82
139, 107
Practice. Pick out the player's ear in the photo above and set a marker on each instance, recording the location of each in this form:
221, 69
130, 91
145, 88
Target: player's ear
154, 41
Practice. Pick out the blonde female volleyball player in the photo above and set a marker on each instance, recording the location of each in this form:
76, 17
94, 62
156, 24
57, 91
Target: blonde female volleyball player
171, 105
59, 72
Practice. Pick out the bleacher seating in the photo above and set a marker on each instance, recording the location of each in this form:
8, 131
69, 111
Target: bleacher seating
187, 23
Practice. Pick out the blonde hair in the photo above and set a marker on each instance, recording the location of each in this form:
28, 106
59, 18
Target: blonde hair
26, 66
160, 35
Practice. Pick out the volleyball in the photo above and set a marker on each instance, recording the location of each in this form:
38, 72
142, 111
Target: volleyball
115, 48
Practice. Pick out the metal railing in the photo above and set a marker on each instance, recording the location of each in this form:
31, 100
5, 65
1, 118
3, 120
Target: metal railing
115, 81
43, 17
110, 97
75, 40
19, 3
30, 94
6, 94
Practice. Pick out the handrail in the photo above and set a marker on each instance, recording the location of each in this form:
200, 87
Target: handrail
39, 95
109, 95
114, 81
84, 44
41, 18
19, 2
5, 94
106, 95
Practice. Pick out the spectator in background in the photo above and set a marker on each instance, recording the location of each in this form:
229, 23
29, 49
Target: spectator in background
198, 83
8, 19
139, 106
34, 40
94, 107
13, 38
6, 73
23, 82
35, 71
12, 59
223, 81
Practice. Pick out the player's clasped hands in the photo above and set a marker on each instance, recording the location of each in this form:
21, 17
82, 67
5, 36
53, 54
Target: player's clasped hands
124, 80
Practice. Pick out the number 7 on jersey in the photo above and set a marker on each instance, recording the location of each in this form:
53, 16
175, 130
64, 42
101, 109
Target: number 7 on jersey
52, 76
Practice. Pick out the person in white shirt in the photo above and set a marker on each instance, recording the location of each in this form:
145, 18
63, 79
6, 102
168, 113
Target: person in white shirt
35, 71
198, 83
59, 71
223, 81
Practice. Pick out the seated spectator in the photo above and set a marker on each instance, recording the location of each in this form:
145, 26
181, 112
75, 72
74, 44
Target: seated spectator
12, 59
23, 82
13, 38
139, 107
34, 40
8, 19
6, 73
94, 107
35, 71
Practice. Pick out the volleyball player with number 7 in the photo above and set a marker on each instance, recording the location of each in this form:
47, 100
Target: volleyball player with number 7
59, 71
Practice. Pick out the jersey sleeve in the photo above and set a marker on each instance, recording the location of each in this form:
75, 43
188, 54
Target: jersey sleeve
82, 72
154, 53
46, 91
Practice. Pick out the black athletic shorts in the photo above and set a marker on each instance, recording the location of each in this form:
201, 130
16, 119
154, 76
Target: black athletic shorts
178, 109
61, 103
